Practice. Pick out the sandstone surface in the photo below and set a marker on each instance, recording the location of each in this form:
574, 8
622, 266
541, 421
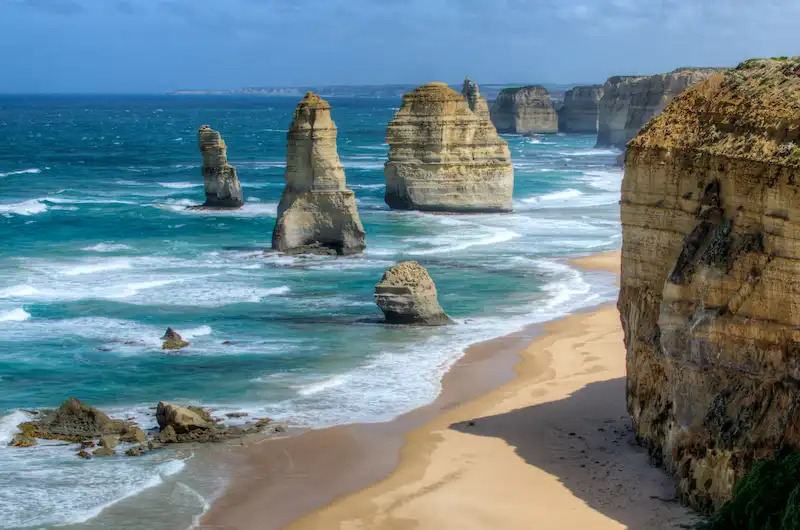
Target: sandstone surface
445, 157
222, 186
580, 109
407, 295
709, 300
524, 110
629, 102
317, 212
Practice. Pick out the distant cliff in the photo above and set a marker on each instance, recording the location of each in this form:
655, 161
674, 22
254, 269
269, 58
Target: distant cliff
579, 112
710, 301
524, 110
629, 102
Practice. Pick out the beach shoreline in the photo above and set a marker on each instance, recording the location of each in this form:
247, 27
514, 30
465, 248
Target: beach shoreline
338, 477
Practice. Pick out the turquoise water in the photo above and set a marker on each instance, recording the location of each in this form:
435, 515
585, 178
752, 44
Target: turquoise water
100, 255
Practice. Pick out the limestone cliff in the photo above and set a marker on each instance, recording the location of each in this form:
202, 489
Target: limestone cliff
407, 295
710, 301
222, 186
317, 213
579, 112
629, 102
445, 157
524, 110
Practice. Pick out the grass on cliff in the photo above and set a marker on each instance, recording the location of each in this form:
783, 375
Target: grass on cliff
768, 498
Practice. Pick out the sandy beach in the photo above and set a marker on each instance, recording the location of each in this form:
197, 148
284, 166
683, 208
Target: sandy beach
530, 431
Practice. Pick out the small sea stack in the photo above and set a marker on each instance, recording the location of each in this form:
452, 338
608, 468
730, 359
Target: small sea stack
475, 101
580, 110
222, 186
445, 157
407, 295
524, 110
317, 213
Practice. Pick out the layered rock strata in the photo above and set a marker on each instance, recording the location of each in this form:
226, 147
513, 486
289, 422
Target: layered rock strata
317, 213
710, 302
580, 109
222, 186
524, 110
444, 157
407, 295
629, 102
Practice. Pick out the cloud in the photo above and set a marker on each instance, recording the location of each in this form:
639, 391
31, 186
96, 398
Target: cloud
60, 7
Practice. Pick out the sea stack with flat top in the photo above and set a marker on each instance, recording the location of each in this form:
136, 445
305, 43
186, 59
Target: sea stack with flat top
443, 157
317, 213
222, 186
407, 295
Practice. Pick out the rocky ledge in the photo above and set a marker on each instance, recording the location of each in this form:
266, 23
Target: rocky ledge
222, 186
407, 295
444, 157
524, 110
317, 213
710, 259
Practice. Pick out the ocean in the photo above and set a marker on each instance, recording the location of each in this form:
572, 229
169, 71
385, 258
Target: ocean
100, 256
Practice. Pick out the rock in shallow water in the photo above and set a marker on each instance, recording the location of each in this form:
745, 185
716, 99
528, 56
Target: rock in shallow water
72, 421
407, 295
180, 419
20, 440
317, 212
173, 341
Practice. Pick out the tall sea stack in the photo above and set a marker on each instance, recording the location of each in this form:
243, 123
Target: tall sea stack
629, 102
317, 213
524, 110
444, 157
580, 110
222, 186
710, 301
475, 101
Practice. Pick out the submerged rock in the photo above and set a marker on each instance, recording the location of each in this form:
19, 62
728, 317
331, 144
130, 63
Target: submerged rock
173, 341
579, 114
407, 295
221, 183
709, 290
85, 455
317, 212
524, 110
444, 157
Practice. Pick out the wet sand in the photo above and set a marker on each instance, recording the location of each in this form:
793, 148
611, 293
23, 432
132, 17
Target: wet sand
530, 431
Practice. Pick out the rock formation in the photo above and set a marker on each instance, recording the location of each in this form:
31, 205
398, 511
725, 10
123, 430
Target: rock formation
476, 103
629, 102
222, 186
710, 260
173, 341
579, 111
445, 157
182, 419
524, 110
407, 295
317, 212
72, 421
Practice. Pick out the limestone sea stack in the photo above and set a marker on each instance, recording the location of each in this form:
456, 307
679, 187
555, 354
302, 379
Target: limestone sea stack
317, 213
629, 102
475, 101
407, 295
580, 110
222, 186
443, 157
524, 110
710, 259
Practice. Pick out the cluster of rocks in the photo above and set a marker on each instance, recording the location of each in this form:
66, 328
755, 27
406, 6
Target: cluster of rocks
98, 435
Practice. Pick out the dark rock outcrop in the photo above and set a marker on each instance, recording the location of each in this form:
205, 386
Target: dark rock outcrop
579, 112
407, 295
222, 186
173, 341
72, 421
524, 110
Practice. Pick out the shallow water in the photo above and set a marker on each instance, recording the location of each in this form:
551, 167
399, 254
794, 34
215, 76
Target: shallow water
100, 255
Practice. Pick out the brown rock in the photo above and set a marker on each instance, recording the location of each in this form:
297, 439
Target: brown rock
84, 455
104, 451
133, 435
168, 435
109, 442
134, 451
407, 295
72, 422
20, 440
173, 341
182, 419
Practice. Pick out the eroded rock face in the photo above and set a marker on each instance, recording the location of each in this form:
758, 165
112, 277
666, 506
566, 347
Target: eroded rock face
222, 186
407, 295
475, 101
710, 302
444, 157
181, 419
317, 212
629, 102
524, 110
72, 421
580, 110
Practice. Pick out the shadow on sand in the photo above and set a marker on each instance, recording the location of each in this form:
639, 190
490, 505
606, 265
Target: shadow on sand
587, 441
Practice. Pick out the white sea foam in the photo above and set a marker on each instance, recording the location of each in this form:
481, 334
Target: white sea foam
106, 247
18, 291
192, 333
321, 386
8, 426
591, 152
29, 207
15, 315
31, 171
604, 180
180, 185
114, 264
367, 186
250, 209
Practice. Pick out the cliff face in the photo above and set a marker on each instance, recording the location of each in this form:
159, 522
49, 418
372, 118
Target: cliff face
317, 213
524, 110
710, 301
444, 157
629, 102
580, 109
475, 101
222, 186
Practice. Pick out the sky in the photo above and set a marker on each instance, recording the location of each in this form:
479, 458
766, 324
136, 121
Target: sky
138, 46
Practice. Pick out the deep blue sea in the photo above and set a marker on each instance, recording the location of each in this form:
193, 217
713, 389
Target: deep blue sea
99, 256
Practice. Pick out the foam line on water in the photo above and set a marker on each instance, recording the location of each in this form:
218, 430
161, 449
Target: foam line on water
31, 171
15, 315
